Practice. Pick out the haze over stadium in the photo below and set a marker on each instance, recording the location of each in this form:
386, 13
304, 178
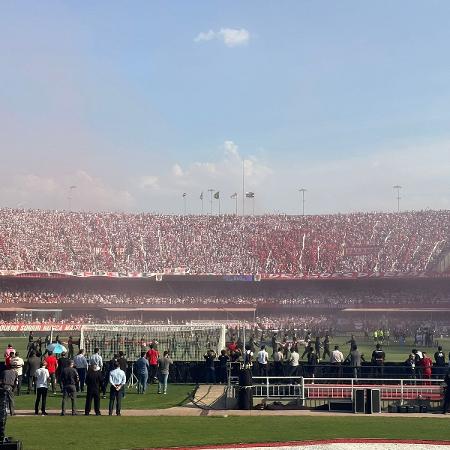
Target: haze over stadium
235, 205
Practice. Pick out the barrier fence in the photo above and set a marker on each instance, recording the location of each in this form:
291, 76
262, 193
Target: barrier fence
302, 388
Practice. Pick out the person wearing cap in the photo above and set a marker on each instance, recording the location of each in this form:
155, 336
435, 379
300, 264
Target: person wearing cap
94, 380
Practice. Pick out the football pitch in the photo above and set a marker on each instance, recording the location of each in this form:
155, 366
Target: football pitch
394, 351
114, 433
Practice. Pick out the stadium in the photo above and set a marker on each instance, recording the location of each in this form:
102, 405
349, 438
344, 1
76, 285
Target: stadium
224, 225
195, 284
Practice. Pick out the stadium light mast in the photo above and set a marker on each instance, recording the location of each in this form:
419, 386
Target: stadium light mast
243, 187
397, 187
184, 202
302, 194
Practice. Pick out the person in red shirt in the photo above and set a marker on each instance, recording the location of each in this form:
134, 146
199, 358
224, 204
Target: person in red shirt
152, 356
427, 364
9, 350
8, 357
52, 365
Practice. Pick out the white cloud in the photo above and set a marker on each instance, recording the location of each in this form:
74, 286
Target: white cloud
231, 37
149, 182
91, 193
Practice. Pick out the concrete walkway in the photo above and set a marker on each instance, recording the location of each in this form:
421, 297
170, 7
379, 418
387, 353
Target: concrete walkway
193, 411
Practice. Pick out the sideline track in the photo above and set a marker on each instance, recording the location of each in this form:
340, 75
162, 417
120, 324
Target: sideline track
332, 444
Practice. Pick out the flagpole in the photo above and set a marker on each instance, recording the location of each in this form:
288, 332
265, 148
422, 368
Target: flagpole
202, 204
219, 205
243, 187
236, 200
253, 203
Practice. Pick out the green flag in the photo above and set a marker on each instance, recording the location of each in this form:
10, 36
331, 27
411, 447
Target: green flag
216, 195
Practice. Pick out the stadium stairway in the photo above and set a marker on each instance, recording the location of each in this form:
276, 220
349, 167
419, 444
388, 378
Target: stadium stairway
209, 396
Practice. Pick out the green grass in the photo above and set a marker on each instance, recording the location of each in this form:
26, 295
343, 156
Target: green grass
111, 433
177, 395
394, 352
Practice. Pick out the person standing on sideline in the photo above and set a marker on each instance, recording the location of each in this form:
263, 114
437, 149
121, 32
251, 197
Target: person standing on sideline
209, 357
52, 366
9, 382
263, 360
141, 368
33, 364
117, 380
164, 364
41, 382
293, 365
223, 361
96, 359
152, 356
446, 393
17, 364
9, 350
94, 380
80, 363
355, 358
336, 360
427, 365
69, 382
326, 347
439, 358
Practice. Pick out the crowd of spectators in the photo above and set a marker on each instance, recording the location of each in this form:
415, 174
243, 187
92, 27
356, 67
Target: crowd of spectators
36, 240
308, 298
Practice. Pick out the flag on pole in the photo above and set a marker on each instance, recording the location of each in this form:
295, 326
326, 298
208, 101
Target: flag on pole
250, 194
217, 195
234, 195
184, 194
201, 196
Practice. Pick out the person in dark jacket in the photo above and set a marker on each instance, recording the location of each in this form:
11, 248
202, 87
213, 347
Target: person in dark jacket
33, 364
94, 382
69, 381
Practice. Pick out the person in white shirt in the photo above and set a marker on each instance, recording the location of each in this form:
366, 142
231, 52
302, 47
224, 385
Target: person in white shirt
293, 362
263, 359
336, 360
81, 365
17, 364
96, 359
42, 376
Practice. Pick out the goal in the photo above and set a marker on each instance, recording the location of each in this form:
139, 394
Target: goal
184, 342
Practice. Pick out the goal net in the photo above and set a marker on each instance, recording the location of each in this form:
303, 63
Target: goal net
184, 342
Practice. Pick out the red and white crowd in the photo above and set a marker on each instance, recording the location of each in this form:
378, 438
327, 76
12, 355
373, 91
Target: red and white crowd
59, 241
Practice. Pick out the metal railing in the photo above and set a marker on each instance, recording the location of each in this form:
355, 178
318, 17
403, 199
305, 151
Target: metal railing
302, 388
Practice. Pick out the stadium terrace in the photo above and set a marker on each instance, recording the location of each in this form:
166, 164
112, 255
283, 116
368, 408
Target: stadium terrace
117, 244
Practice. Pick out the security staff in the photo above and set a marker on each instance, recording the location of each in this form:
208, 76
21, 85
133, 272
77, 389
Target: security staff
378, 357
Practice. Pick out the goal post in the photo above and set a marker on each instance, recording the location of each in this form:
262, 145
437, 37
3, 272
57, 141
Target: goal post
184, 342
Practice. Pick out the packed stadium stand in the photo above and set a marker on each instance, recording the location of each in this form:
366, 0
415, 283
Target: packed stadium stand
274, 271
56, 241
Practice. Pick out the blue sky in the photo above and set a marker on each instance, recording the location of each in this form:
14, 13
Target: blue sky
138, 102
